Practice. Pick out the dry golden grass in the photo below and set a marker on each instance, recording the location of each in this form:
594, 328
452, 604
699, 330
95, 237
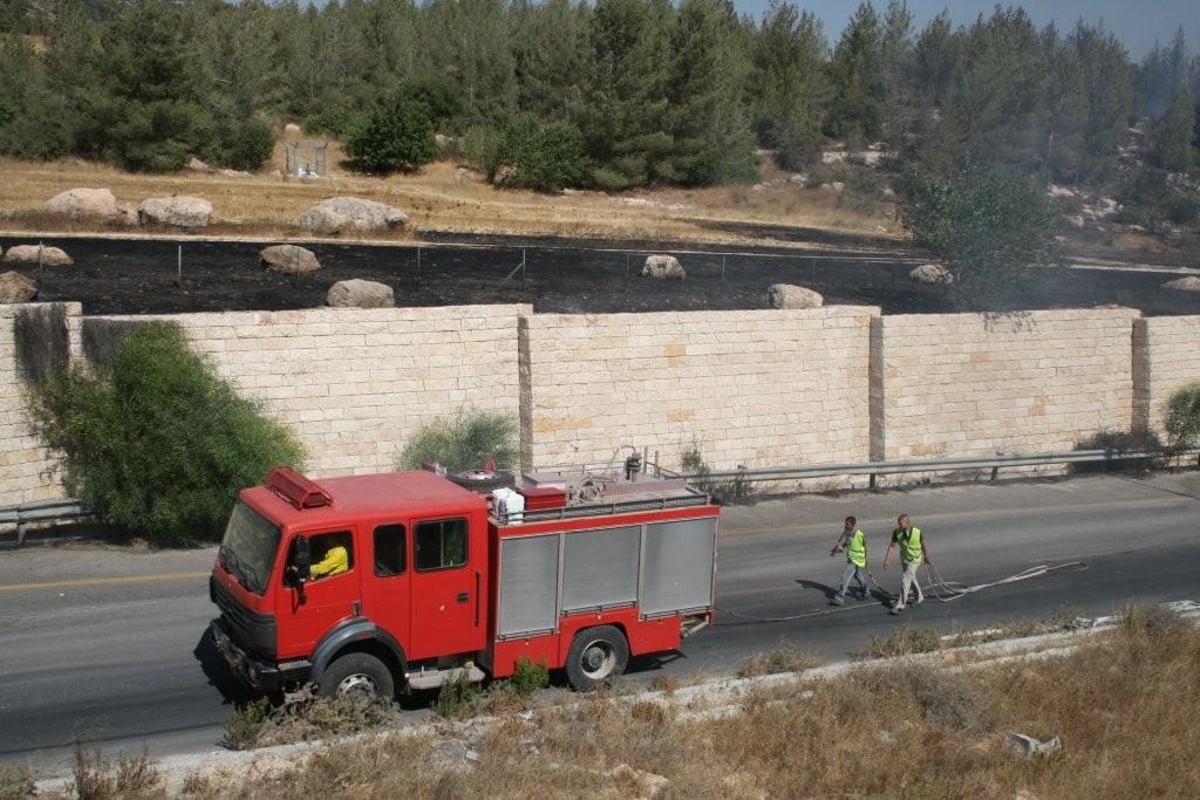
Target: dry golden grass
1124, 706
438, 198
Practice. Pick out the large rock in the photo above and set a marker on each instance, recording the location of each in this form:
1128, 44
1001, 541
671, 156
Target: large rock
16, 288
78, 203
932, 273
785, 295
37, 254
179, 211
663, 268
351, 213
288, 259
357, 293
1188, 284
291, 129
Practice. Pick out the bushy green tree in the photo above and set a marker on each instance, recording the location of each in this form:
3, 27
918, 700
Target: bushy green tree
542, 156
157, 441
995, 228
1181, 417
464, 441
397, 137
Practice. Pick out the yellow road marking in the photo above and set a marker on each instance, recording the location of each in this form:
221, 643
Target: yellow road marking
170, 576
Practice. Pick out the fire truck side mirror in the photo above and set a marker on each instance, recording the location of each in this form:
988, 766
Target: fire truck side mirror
301, 558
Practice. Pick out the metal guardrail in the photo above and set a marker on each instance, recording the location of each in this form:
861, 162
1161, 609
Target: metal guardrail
71, 509
994, 463
42, 511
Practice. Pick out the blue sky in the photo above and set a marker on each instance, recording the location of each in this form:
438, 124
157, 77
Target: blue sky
1138, 23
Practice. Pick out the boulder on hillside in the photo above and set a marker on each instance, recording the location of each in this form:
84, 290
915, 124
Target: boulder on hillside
663, 268
288, 259
351, 213
932, 273
16, 288
291, 129
77, 203
785, 295
37, 254
1188, 284
179, 211
196, 165
357, 293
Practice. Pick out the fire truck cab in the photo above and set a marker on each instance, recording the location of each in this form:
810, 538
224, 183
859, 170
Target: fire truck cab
401, 581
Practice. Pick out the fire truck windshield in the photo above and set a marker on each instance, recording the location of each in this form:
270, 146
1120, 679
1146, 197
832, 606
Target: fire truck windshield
248, 549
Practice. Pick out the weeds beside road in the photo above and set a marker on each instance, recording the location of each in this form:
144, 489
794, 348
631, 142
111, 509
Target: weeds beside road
1123, 705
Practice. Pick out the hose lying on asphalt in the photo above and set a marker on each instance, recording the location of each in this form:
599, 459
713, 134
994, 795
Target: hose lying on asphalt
943, 590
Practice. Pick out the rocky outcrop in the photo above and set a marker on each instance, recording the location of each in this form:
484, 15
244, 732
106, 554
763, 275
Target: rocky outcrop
80, 203
932, 273
288, 259
357, 293
785, 295
339, 214
16, 288
196, 165
37, 254
1188, 284
179, 211
663, 268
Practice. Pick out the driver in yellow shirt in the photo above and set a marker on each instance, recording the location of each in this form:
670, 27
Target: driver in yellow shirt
335, 562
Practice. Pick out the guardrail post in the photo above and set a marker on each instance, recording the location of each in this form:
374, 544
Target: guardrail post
20, 533
995, 473
872, 482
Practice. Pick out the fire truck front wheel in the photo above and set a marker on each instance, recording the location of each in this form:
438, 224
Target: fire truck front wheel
596, 656
357, 675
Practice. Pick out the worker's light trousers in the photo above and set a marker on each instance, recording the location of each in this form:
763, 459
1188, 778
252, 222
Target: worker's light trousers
908, 582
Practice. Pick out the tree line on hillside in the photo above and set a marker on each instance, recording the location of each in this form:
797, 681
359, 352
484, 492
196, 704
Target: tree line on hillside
611, 94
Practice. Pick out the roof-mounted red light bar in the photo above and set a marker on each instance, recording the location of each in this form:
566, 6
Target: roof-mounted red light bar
298, 490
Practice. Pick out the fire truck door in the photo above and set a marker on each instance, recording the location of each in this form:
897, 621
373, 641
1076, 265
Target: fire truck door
386, 588
330, 595
446, 606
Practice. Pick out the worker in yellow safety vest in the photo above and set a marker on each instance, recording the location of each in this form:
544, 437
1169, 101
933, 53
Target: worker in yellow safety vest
912, 553
854, 542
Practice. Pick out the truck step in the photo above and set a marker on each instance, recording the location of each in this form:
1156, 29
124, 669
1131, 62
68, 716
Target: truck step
433, 678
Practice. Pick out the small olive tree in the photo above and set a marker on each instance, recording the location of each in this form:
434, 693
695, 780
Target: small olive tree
464, 441
1181, 418
156, 440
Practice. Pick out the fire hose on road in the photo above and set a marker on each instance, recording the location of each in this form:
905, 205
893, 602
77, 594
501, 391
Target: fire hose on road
943, 590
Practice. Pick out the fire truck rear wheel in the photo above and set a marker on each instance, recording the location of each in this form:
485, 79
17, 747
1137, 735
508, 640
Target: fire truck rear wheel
597, 655
357, 675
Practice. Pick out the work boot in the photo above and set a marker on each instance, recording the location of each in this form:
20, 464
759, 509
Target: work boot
897, 608
837, 600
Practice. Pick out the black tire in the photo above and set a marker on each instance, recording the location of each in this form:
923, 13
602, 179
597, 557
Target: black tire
357, 675
597, 655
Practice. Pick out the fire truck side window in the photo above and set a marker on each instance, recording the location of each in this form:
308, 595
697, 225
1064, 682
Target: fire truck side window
441, 544
389, 550
332, 554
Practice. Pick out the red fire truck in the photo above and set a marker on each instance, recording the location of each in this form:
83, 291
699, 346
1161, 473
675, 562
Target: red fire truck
407, 580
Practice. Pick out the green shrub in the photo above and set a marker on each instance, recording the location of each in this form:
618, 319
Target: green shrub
547, 157
458, 698
158, 442
735, 490
396, 137
481, 149
245, 724
1181, 418
464, 441
130, 778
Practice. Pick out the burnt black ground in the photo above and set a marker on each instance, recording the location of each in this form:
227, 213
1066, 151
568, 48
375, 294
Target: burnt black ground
139, 276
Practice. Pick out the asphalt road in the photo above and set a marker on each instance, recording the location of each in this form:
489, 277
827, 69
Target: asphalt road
104, 645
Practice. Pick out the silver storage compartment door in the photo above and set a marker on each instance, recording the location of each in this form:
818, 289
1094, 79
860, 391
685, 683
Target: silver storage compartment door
600, 568
528, 585
678, 571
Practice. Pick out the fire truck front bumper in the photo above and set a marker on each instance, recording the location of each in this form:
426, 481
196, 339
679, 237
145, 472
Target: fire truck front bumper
257, 673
